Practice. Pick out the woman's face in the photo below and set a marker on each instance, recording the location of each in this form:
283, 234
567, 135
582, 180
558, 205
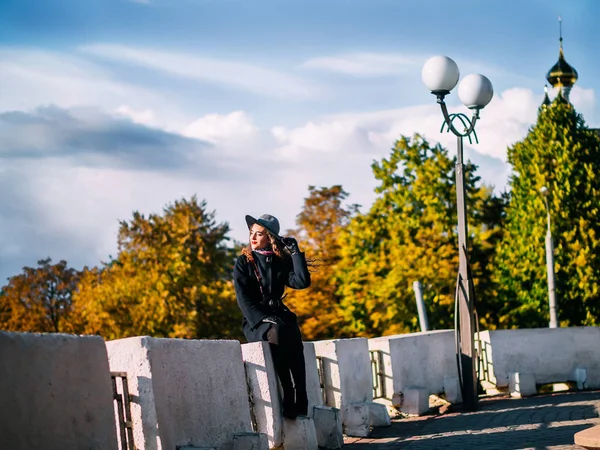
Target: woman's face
258, 237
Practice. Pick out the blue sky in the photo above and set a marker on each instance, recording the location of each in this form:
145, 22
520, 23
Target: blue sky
112, 106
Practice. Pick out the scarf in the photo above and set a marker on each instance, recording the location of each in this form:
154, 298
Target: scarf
267, 252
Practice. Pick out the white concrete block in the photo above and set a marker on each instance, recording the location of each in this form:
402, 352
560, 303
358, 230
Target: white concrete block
415, 400
313, 384
389, 406
186, 392
521, 384
328, 425
417, 359
300, 434
452, 391
263, 385
551, 354
356, 420
378, 415
55, 392
347, 368
383, 345
250, 441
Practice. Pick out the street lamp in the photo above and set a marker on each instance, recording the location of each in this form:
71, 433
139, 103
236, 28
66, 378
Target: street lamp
550, 262
440, 74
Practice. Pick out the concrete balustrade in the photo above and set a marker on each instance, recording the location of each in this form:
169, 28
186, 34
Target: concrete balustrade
549, 355
349, 384
55, 393
265, 394
264, 391
347, 371
416, 365
313, 383
185, 392
328, 421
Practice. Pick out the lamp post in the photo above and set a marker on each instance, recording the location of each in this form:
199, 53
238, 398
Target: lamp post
440, 74
550, 262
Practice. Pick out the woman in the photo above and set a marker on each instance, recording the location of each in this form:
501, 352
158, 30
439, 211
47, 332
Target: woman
261, 273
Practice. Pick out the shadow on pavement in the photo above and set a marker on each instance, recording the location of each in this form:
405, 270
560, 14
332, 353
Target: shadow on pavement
504, 423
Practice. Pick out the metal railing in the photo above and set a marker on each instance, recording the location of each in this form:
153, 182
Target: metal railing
378, 373
321, 371
122, 401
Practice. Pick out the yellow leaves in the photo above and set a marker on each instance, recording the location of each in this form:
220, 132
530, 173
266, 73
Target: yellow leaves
39, 299
581, 259
157, 286
409, 234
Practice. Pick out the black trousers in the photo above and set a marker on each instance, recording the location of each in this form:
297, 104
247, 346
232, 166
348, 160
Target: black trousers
288, 359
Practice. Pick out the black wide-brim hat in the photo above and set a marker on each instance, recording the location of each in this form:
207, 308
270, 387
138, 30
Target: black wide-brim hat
267, 221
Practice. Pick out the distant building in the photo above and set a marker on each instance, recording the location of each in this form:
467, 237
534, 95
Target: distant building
561, 76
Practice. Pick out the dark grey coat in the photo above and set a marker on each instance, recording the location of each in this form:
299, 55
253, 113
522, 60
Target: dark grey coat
276, 274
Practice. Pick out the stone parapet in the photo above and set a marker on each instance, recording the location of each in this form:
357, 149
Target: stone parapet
55, 393
426, 360
185, 392
263, 386
552, 355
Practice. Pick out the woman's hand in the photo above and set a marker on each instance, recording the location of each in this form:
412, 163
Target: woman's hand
291, 244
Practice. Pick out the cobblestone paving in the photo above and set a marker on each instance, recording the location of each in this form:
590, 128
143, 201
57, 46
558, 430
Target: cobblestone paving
500, 423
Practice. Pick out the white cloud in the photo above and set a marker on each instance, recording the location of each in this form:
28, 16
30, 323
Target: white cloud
506, 120
340, 148
142, 117
244, 76
236, 126
365, 64
584, 101
29, 78
73, 212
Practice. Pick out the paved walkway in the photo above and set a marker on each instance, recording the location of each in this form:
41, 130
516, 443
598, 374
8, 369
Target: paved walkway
541, 422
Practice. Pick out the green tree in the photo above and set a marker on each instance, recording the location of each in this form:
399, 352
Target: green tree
39, 299
319, 224
171, 278
562, 154
410, 234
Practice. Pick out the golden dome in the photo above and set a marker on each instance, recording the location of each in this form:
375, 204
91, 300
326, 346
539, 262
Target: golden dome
562, 73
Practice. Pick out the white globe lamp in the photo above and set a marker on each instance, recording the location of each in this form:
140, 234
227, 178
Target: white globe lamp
440, 74
475, 91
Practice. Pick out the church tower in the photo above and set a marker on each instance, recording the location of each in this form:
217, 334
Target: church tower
562, 76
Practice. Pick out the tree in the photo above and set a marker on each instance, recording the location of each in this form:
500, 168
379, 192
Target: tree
410, 234
319, 224
562, 154
39, 299
171, 278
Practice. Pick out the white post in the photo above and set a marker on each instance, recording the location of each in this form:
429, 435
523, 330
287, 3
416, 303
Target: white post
421, 306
